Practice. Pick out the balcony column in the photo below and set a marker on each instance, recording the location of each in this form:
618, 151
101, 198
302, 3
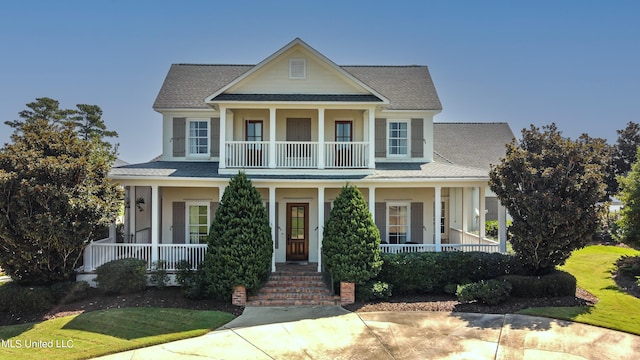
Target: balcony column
272, 222
482, 215
502, 228
321, 220
272, 138
372, 138
437, 218
223, 134
132, 215
155, 222
320, 138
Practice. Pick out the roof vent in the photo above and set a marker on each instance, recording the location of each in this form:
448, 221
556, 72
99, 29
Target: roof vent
297, 68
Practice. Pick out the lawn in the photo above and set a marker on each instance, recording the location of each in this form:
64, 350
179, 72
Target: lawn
592, 268
104, 332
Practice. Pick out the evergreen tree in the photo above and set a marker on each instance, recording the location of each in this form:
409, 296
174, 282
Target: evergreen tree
551, 187
54, 196
239, 247
629, 222
351, 243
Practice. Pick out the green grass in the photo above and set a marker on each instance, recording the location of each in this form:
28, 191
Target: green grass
592, 268
107, 331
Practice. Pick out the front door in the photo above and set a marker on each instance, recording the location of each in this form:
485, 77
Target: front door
297, 232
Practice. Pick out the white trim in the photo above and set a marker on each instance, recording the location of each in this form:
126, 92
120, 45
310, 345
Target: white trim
188, 205
388, 138
406, 204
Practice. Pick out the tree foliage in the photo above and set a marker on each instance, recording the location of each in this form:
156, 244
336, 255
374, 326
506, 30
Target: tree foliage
551, 187
239, 246
54, 195
629, 222
351, 243
623, 154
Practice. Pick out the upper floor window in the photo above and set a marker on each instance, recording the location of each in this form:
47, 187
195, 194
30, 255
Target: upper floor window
297, 69
398, 139
343, 131
198, 137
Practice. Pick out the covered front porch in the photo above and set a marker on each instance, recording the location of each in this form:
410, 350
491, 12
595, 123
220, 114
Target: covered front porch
167, 223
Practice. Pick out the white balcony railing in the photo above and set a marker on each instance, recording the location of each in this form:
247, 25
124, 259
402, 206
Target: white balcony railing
247, 154
346, 154
297, 154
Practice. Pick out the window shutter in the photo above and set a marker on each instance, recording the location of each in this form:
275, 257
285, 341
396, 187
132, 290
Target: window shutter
179, 125
381, 220
178, 226
417, 139
416, 222
381, 137
215, 137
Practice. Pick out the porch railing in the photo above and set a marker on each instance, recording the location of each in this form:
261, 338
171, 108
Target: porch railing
413, 248
458, 236
247, 154
101, 252
346, 154
297, 154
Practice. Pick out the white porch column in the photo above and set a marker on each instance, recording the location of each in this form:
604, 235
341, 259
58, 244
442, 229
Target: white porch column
272, 222
502, 228
482, 218
272, 138
372, 138
155, 222
221, 192
372, 202
437, 216
320, 138
132, 215
320, 224
223, 134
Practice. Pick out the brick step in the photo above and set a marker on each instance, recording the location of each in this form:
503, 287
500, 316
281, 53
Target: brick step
291, 296
294, 289
294, 283
297, 302
295, 278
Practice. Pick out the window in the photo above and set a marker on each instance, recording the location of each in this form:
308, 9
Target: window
398, 223
343, 131
254, 130
199, 137
198, 223
254, 151
297, 69
398, 138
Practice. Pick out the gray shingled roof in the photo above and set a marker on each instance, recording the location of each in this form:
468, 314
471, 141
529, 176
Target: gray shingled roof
407, 87
471, 144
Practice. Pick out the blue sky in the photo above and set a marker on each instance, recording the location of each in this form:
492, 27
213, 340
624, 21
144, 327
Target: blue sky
576, 63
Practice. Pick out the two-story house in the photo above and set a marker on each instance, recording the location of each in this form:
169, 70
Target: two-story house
302, 127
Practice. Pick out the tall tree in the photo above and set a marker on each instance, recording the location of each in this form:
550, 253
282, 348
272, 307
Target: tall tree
552, 187
623, 154
89, 123
54, 196
351, 241
239, 246
629, 221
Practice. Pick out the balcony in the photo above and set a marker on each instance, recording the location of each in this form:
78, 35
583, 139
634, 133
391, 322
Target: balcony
297, 155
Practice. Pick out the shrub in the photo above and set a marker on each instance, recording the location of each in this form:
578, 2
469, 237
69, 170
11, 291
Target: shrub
69, 291
159, 277
373, 290
490, 292
430, 272
192, 282
239, 245
122, 276
22, 299
351, 241
557, 283
629, 265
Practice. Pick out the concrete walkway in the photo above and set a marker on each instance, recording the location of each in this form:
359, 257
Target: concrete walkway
333, 333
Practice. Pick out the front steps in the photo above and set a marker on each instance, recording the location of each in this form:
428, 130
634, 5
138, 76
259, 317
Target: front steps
294, 285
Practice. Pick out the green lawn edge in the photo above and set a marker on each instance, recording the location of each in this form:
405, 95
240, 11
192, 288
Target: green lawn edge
104, 332
592, 267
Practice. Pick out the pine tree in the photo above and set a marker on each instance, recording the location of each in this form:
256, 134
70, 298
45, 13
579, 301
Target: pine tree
239, 247
351, 241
